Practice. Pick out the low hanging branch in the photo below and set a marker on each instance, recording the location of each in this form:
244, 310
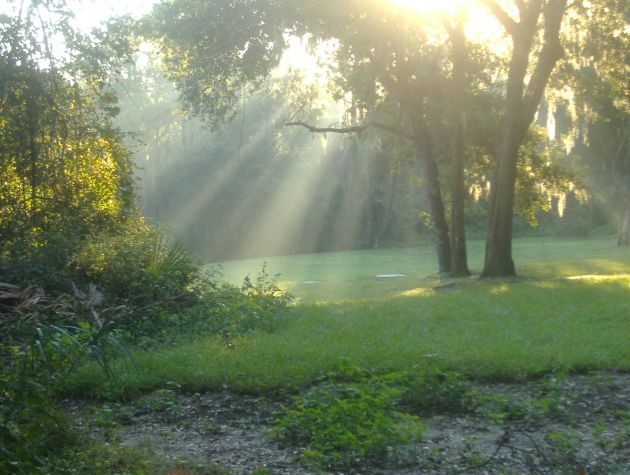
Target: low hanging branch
350, 130
324, 130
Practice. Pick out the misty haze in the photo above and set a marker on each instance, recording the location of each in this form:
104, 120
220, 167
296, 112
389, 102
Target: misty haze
310, 236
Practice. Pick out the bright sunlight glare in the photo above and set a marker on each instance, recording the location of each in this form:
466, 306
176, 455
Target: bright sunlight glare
481, 25
91, 13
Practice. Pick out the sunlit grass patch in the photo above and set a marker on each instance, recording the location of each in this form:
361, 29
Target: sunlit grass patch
417, 292
350, 275
570, 313
486, 330
598, 277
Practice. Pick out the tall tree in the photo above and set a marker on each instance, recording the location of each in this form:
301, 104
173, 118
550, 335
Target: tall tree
459, 260
522, 98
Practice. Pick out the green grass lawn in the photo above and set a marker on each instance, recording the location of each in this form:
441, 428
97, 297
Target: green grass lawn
570, 311
352, 275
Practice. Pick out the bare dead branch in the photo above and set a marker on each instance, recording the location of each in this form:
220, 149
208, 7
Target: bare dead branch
325, 130
352, 129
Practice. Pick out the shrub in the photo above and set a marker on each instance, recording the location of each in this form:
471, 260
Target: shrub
41, 262
42, 341
345, 424
258, 305
30, 429
435, 391
139, 266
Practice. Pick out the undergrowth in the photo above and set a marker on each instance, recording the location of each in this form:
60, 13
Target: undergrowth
344, 425
352, 418
129, 289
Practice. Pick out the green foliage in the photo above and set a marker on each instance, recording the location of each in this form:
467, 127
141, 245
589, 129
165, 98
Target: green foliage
32, 261
549, 402
163, 289
42, 342
258, 305
64, 172
435, 391
31, 430
346, 424
544, 180
163, 401
137, 265
32, 370
244, 56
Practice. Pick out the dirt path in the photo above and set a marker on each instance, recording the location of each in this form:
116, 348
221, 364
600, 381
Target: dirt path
580, 424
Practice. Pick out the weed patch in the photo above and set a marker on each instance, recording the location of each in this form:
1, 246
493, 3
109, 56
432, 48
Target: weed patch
344, 425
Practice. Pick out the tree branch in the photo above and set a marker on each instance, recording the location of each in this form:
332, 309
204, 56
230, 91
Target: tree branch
351, 130
508, 23
550, 53
324, 130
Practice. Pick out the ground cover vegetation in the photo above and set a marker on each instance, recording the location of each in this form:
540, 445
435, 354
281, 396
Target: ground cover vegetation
357, 384
312, 363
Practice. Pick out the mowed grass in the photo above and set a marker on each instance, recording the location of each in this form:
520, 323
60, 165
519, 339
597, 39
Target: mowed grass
351, 275
569, 311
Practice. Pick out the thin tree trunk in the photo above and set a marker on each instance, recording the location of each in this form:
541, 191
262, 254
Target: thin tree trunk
624, 228
459, 258
424, 150
392, 186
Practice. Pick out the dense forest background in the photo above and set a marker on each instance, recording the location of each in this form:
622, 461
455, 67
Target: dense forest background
229, 178
253, 186
257, 187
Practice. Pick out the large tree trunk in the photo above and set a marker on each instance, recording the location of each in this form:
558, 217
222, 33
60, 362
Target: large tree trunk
459, 258
520, 108
424, 151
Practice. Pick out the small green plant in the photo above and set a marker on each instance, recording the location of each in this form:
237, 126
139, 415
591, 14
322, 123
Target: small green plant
563, 441
164, 402
344, 424
261, 471
436, 391
501, 408
258, 305
549, 401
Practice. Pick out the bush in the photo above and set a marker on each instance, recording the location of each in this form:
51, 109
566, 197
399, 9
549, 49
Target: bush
131, 286
435, 391
138, 266
31, 430
42, 263
42, 341
230, 311
346, 424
